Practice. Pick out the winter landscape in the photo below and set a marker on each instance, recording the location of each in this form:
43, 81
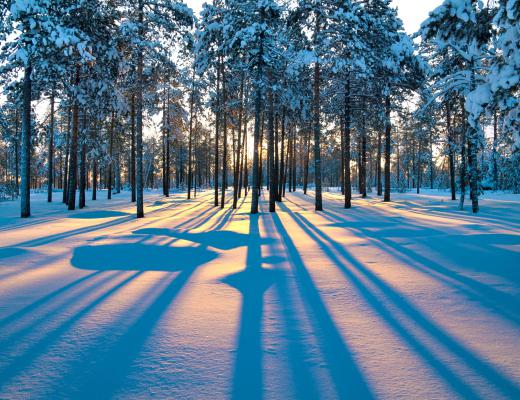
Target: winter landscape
259, 199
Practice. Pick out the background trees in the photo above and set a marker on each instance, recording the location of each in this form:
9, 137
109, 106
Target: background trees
310, 94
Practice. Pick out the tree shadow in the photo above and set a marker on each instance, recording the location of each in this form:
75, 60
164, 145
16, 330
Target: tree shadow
98, 214
467, 250
481, 367
140, 257
348, 380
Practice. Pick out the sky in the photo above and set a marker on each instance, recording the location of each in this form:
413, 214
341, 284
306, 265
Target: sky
412, 12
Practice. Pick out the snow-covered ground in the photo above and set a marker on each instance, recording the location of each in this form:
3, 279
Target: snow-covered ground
412, 299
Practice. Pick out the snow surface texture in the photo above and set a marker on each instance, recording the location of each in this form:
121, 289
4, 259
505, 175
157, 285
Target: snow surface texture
412, 299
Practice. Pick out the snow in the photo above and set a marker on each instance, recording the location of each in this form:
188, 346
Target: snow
409, 299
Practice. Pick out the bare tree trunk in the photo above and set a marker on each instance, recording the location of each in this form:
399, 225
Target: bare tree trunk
132, 148
281, 176
139, 118
495, 153
388, 143
451, 151
73, 165
190, 137
270, 151
462, 160
306, 161
65, 184
50, 167
110, 156
316, 105
25, 198
346, 155
224, 144
236, 176
217, 126
379, 183
83, 162
257, 143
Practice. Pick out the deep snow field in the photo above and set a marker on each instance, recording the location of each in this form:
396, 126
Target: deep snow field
405, 300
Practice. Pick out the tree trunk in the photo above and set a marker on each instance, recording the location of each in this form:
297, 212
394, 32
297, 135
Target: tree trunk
307, 149
281, 176
132, 148
217, 126
363, 167
224, 142
50, 167
256, 142
110, 156
451, 151
236, 176
67, 154
316, 105
495, 154
346, 155
139, 118
25, 199
73, 164
270, 150
190, 137
388, 143
379, 183
83, 162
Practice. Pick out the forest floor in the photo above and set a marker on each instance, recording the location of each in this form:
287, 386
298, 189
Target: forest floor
410, 299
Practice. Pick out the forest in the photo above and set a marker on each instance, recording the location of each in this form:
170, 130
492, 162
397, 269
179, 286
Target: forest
259, 199
328, 94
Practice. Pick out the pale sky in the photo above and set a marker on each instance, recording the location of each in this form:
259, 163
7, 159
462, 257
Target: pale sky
412, 12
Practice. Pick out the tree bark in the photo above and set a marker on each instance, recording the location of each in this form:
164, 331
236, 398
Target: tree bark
139, 117
50, 166
25, 198
346, 155
388, 144
217, 132
73, 164
270, 151
224, 142
316, 105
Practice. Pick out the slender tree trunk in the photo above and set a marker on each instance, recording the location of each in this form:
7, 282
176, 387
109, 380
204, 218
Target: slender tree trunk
243, 158
281, 177
73, 164
462, 159
224, 144
388, 143
50, 167
317, 133
346, 155
270, 151
256, 142
379, 183
110, 156
363, 169
451, 151
495, 153
83, 163
17, 153
306, 161
65, 184
236, 176
472, 138
139, 118
190, 136
25, 200
132, 148
217, 132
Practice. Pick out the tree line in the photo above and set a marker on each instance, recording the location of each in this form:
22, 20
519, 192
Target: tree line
253, 94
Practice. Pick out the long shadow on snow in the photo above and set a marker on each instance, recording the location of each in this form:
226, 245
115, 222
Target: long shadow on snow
500, 302
21, 362
348, 380
481, 367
